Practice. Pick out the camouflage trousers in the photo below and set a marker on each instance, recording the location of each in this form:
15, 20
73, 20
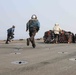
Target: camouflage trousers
9, 37
32, 33
56, 38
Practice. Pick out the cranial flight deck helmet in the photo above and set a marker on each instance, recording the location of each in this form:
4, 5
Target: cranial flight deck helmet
13, 26
56, 24
33, 16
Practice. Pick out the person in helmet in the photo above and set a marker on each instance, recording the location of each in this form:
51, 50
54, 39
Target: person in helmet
10, 34
33, 25
56, 30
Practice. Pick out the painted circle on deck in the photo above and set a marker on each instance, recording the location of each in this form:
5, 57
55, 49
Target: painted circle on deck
63, 52
72, 59
15, 53
19, 62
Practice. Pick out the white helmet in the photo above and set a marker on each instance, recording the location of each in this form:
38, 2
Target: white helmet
56, 23
33, 16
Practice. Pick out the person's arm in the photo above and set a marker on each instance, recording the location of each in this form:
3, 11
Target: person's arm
60, 30
38, 24
27, 26
12, 30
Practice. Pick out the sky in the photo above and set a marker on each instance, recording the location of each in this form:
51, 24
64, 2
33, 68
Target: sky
49, 12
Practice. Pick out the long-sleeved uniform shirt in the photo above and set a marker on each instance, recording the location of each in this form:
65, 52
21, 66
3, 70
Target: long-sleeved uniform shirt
11, 30
57, 29
32, 23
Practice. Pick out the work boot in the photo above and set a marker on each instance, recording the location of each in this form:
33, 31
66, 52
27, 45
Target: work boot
27, 42
33, 45
6, 43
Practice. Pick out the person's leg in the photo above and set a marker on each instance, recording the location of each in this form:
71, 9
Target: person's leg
33, 33
56, 38
12, 36
28, 40
8, 38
